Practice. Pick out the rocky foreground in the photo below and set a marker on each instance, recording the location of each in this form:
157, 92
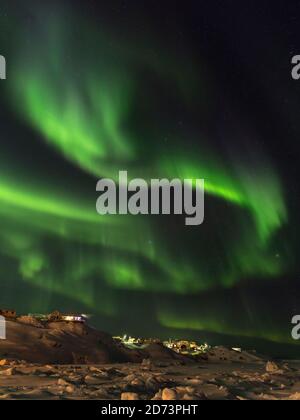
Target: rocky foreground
73, 361
150, 381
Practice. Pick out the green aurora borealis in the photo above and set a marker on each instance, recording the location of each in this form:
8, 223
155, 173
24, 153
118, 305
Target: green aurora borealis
89, 103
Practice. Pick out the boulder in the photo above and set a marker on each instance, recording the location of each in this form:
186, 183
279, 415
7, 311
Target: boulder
169, 394
129, 396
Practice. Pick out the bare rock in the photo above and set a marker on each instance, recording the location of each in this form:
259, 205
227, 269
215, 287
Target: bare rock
8, 372
47, 369
272, 367
54, 343
129, 396
99, 394
157, 396
62, 382
214, 392
55, 390
194, 381
70, 389
130, 378
5, 397
240, 398
92, 380
30, 370
189, 397
94, 369
185, 390
268, 397
30, 320
137, 382
169, 394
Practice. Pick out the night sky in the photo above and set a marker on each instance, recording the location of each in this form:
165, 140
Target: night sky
187, 89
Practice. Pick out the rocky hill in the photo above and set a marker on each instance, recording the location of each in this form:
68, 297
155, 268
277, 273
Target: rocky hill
71, 343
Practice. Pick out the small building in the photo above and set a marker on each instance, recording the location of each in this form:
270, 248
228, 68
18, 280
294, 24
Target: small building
8, 313
73, 318
57, 316
39, 317
186, 347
